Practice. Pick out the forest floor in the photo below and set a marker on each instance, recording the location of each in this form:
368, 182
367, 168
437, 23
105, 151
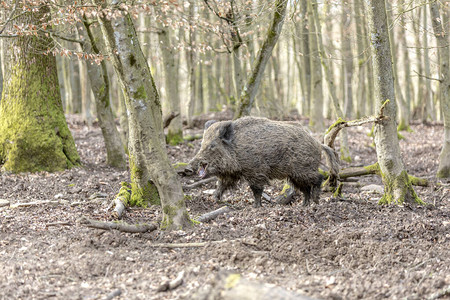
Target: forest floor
345, 248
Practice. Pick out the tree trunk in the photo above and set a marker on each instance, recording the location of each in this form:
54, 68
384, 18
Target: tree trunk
247, 97
401, 102
345, 152
348, 59
427, 69
191, 59
362, 61
306, 55
397, 186
99, 81
147, 141
316, 121
404, 120
171, 79
33, 131
442, 38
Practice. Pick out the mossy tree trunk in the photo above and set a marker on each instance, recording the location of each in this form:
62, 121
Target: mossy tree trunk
248, 94
171, 78
99, 81
442, 37
147, 141
397, 186
33, 131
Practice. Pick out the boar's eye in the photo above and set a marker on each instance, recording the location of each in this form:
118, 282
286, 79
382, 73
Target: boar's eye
212, 146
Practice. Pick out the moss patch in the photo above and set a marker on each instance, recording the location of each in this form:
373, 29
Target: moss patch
33, 131
174, 138
402, 183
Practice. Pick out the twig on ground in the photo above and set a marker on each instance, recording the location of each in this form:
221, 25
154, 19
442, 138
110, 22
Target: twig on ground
188, 245
199, 183
58, 224
36, 203
170, 285
114, 294
122, 227
444, 292
213, 214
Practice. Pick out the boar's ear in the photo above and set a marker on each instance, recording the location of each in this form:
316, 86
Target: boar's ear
226, 132
209, 123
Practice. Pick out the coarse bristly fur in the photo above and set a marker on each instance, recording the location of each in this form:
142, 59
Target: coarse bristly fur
258, 150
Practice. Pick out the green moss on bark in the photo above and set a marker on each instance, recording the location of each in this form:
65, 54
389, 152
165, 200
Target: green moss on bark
174, 138
402, 182
145, 195
33, 131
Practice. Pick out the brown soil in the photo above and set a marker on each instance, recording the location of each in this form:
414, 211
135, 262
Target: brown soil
339, 249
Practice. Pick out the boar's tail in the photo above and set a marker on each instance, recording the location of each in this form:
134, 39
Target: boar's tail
332, 160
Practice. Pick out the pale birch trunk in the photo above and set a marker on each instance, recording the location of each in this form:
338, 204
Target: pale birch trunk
147, 141
248, 94
442, 37
397, 186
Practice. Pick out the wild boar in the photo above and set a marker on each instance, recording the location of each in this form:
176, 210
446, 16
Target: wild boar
258, 150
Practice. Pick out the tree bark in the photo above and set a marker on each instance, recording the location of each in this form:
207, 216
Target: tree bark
247, 97
345, 152
397, 186
33, 131
99, 81
316, 121
147, 141
442, 37
171, 79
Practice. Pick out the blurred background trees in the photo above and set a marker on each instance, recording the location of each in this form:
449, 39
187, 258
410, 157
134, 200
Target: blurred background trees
201, 53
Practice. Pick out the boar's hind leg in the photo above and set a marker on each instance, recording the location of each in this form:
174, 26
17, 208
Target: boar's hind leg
310, 188
257, 193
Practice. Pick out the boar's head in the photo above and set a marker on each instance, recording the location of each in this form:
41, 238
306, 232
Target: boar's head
216, 155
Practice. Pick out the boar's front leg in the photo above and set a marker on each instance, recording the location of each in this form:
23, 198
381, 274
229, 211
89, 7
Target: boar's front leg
257, 193
223, 184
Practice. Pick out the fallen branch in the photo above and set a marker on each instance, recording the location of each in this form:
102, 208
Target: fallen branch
334, 129
36, 203
188, 245
122, 197
170, 285
58, 224
114, 294
375, 170
169, 118
199, 183
122, 227
439, 294
286, 195
213, 214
